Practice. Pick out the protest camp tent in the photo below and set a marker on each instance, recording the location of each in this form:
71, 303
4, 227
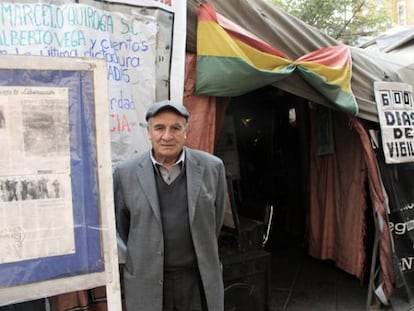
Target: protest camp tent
295, 39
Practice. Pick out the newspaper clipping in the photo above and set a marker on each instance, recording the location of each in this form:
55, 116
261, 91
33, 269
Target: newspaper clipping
36, 217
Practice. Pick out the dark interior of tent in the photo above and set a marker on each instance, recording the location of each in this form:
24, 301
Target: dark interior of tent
264, 143
270, 129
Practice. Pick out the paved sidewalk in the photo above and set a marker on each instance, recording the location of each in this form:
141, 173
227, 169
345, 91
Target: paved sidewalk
300, 282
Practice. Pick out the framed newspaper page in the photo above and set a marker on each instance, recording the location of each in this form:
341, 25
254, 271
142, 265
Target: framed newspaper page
57, 228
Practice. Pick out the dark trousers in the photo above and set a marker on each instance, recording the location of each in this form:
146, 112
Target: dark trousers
183, 291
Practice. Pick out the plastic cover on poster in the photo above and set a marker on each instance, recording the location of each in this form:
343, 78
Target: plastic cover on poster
57, 230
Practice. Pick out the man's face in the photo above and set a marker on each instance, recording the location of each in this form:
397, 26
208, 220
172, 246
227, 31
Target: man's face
167, 132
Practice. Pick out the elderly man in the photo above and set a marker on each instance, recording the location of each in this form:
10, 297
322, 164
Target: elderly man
170, 205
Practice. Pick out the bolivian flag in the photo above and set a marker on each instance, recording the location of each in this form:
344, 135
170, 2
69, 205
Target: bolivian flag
329, 71
232, 62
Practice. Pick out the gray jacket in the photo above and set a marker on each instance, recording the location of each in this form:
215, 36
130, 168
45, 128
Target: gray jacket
139, 226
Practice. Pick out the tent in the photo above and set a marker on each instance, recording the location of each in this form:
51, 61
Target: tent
295, 38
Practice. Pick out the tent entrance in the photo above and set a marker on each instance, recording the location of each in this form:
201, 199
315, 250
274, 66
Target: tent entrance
271, 132
269, 164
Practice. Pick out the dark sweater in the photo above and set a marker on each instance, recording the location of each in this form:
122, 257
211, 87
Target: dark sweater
178, 244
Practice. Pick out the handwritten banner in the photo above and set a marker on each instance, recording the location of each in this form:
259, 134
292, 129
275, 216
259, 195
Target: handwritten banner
136, 42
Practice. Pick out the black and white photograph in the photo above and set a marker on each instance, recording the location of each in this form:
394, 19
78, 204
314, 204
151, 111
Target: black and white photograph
45, 130
32, 187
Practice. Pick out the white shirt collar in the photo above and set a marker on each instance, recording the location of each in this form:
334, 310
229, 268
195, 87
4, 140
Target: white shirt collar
181, 158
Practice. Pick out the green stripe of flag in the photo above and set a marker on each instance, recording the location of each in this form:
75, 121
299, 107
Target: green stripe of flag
212, 76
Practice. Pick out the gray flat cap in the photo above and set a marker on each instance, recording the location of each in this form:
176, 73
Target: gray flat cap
167, 105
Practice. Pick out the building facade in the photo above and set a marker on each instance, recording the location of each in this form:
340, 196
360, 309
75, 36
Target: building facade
402, 12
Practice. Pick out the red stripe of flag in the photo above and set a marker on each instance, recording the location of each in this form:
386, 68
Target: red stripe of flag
335, 56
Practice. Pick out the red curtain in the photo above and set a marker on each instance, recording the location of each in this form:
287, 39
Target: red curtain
206, 112
379, 210
338, 203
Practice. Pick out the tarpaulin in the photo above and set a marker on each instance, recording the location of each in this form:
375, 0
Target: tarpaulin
231, 62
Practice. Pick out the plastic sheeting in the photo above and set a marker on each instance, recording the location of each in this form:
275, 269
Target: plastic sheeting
295, 38
88, 255
56, 208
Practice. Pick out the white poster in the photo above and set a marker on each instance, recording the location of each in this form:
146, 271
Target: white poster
143, 43
396, 115
36, 217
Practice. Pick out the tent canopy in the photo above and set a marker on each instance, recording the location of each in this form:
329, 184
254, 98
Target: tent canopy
397, 45
295, 38
398, 40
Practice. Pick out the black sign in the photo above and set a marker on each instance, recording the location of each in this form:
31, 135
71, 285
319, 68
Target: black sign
398, 180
